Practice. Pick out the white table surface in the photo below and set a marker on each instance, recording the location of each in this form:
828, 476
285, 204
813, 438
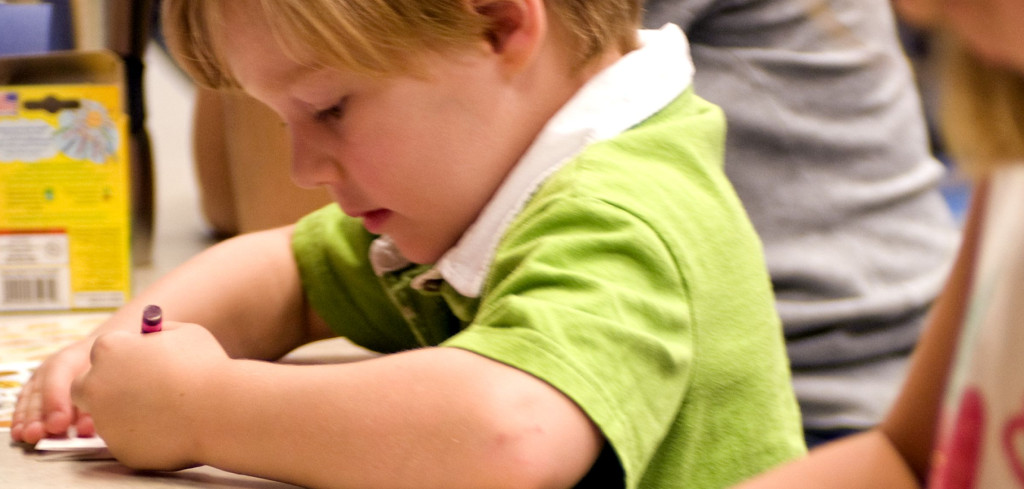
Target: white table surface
21, 467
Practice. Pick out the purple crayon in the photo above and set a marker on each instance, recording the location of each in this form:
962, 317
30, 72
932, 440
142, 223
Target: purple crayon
152, 319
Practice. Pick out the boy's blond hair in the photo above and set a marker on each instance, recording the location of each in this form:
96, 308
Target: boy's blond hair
384, 36
982, 111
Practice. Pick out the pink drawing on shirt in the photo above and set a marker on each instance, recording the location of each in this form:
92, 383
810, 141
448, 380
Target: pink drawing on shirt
1012, 431
957, 464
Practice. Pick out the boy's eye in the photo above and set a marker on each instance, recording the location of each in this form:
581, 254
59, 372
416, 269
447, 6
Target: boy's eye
332, 113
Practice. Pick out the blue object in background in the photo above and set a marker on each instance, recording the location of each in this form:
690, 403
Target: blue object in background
956, 188
25, 28
61, 35
957, 191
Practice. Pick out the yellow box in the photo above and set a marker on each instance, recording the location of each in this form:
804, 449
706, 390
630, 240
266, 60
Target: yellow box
65, 236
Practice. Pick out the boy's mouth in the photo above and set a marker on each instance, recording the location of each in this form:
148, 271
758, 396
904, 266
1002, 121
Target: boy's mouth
374, 220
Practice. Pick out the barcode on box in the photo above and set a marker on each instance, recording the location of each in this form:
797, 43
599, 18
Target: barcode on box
34, 270
33, 288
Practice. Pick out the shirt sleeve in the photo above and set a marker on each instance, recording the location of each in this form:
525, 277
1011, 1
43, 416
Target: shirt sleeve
587, 297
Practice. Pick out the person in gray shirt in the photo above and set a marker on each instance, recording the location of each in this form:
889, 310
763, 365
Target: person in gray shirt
828, 149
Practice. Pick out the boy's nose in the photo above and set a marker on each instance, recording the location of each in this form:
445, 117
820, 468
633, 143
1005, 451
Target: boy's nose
312, 165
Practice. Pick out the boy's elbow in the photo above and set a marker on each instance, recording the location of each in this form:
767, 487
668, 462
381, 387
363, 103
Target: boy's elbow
525, 459
539, 442
515, 430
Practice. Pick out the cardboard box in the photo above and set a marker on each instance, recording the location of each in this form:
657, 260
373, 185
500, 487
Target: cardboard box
65, 212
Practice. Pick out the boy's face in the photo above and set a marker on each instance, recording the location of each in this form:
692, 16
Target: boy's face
416, 159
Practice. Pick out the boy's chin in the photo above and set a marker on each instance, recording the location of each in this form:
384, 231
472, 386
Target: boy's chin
418, 253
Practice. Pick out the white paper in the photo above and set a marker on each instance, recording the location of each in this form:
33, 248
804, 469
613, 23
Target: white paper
71, 444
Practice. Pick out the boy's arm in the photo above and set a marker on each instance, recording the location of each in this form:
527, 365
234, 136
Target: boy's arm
433, 417
245, 290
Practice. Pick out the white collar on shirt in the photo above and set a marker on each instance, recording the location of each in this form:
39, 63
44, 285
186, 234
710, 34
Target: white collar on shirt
622, 96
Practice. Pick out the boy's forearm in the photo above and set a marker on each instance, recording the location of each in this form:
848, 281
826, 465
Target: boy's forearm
245, 290
435, 417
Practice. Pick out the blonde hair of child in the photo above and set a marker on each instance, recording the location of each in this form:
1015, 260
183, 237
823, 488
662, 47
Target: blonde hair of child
380, 37
982, 113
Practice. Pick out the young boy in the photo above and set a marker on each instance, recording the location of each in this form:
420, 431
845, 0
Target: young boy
570, 290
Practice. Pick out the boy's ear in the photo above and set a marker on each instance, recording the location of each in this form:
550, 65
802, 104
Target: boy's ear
517, 27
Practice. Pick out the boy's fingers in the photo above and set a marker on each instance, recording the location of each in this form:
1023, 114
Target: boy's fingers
21, 417
16, 432
44, 405
33, 432
21, 405
43, 408
57, 408
57, 422
28, 415
83, 424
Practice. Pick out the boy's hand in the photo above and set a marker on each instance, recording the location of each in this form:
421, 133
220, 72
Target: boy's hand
44, 406
143, 390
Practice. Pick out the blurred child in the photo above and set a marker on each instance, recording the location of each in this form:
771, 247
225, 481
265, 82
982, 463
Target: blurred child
532, 219
960, 416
